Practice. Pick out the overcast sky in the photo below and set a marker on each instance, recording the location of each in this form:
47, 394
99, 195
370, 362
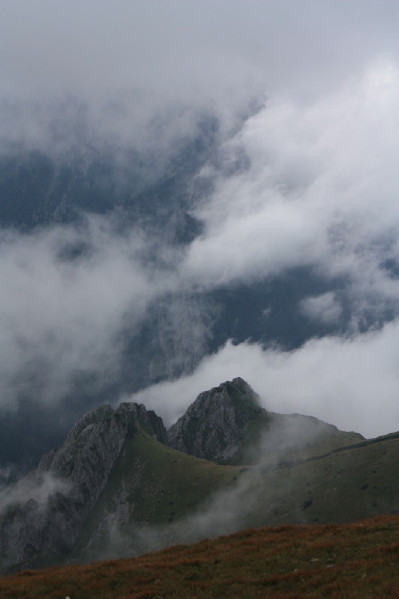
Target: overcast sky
175, 47
321, 189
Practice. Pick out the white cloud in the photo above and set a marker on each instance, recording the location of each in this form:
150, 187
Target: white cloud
320, 191
350, 382
324, 308
59, 318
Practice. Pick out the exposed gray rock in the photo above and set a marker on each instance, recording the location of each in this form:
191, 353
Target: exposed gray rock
215, 425
227, 425
42, 520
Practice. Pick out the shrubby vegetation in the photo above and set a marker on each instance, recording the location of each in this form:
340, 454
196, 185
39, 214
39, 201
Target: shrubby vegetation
302, 561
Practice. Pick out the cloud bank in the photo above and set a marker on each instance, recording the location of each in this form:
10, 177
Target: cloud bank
303, 175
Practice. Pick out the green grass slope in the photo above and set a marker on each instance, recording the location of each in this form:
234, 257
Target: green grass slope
345, 485
157, 496
151, 485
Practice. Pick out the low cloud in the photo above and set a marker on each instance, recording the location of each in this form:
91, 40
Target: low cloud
61, 315
36, 488
352, 382
308, 181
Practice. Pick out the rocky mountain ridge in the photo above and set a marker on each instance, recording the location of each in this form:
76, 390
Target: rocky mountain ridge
214, 426
120, 473
227, 425
32, 532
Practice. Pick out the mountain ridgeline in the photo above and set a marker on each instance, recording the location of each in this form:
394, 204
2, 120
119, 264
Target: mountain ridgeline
122, 484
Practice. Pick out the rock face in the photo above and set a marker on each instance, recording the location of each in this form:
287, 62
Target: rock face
67, 484
216, 424
227, 425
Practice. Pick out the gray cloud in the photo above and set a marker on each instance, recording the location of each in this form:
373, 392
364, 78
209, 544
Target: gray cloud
128, 60
94, 46
36, 488
58, 317
324, 308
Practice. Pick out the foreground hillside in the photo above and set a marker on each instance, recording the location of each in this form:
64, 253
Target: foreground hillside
335, 561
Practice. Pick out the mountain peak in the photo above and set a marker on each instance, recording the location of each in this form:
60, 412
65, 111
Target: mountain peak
214, 425
40, 532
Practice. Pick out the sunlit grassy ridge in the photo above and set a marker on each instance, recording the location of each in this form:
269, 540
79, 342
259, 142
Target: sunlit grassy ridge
301, 561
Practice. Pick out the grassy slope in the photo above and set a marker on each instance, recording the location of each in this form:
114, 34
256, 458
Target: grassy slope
155, 485
156, 489
162, 489
343, 486
336, 561
300, 436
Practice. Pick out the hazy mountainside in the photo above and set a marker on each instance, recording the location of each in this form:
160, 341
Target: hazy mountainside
116, 487
39, 188
70, 481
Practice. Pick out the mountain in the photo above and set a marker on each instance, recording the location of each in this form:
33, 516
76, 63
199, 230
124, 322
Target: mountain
226, 424
114, 468
74, 476
117, 487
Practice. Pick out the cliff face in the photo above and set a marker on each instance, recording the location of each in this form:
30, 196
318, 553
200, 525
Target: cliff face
215, 426
67, 485
94, 443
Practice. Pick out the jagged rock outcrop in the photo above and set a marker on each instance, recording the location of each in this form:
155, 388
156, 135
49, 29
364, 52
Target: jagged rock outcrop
216, 424
44, 518
227, 425
94, 443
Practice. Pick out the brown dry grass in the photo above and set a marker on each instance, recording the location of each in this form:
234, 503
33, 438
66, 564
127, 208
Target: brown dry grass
294, 562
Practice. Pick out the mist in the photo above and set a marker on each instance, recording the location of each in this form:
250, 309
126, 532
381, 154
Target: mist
62, 317
276, 123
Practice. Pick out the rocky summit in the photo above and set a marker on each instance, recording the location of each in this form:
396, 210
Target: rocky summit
66, 486
227, 425
121, 484
215, 426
